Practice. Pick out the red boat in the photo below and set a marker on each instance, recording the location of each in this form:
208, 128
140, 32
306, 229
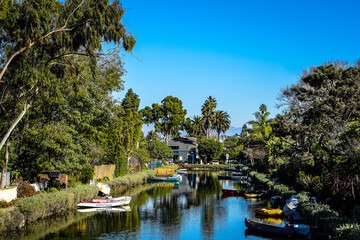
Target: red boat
233, 192
265, 228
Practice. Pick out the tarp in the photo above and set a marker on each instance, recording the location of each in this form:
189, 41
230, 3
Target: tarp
291, 205
165, 172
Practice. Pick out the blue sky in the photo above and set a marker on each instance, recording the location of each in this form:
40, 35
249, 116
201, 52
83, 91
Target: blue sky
240, 52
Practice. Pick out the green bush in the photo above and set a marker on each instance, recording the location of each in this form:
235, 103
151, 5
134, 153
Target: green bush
283, 190
87, 174
11, 220
348, 231
121, 166
122, 184
46, 204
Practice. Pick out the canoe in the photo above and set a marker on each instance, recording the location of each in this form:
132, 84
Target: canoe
174, 178
111, 202
268, 211
269, 229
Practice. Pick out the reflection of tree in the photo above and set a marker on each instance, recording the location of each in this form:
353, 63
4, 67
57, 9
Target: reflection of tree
208, 185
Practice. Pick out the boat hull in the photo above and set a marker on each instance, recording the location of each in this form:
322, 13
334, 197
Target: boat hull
174, 178
264, 228
114, 202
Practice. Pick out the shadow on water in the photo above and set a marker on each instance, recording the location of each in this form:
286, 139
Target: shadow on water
192, 209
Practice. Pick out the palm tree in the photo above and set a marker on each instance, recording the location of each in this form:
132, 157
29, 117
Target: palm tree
221, 122
198, 126
208, 112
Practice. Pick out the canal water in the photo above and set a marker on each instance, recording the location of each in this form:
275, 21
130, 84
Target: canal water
193, 209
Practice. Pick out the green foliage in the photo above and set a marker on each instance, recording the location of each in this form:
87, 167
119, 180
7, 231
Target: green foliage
209, 149
142, 155
87, 174
122, 184
159, 150
121, 166
168, 117
132, 123
348, 231
65, 90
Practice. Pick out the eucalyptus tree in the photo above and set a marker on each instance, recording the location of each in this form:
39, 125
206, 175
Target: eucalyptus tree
208, 112
168, 118
221, 122
40, 39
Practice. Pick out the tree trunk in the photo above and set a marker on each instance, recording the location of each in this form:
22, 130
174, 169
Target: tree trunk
6, 161
13, 125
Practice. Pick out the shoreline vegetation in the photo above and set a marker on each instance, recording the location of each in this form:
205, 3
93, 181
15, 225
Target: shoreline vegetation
38, 208
42, 206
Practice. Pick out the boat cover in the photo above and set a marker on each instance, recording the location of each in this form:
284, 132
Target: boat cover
291, 205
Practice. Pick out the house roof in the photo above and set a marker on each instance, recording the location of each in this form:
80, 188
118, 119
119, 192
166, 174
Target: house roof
182, 143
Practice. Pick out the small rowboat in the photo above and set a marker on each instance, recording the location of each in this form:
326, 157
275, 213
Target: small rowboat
265, 228
268, 211
253, 195
174, 178
105, 203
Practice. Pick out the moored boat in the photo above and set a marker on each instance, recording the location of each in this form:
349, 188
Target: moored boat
253, 195
110, 202
174, 178
268, 211
265, 228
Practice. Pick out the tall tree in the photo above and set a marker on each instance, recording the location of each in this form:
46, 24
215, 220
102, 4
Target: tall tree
168, 117
44, 37
221, 122
208, 112
132, 122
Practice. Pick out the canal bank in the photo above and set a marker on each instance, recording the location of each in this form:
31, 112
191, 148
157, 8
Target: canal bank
193, 208
335, 225
41, 206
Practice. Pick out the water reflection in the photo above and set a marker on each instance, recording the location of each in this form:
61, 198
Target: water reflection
192, 209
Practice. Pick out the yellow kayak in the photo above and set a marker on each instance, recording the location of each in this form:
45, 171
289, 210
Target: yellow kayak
268, 212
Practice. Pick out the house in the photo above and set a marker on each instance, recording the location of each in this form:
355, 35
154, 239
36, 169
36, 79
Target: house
184, 149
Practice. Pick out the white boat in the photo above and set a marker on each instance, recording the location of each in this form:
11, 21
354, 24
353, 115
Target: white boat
106, 203
120, 209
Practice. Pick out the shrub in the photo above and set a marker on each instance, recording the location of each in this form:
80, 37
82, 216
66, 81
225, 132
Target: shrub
24, 189
4, 204
348, 231
87, 174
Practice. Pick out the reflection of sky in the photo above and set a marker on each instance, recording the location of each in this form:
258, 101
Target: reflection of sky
177, 213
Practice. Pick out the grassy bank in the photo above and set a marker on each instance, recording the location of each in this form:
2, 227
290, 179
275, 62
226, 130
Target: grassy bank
43, 205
